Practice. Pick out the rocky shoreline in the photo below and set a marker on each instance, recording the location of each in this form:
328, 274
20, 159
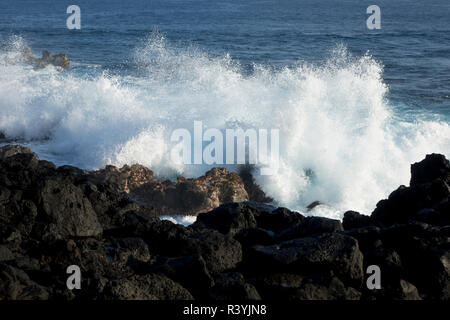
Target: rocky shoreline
107, 223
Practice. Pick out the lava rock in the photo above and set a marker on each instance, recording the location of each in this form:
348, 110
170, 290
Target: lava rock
354, 220
434, 166
146, 287
335, 252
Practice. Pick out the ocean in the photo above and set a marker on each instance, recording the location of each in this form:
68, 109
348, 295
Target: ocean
354, 107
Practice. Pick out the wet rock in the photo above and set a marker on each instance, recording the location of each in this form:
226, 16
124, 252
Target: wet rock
254, 191
26, 56
11, 150
57, 60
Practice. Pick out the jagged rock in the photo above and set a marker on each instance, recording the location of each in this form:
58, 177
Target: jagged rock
434, 166
334, 251
407, 291
220, 252
17, 219
5, 253
66, 211
184, 196
429, 189
279, 220
404, 203
254, 236
310, 226
278, 286
232, 286
125, 179
51, 218
228, 219
26, 56
388, 260
234, 218
288, 287
57, 60
146, 287
255, 193
191, 272
11, 150
192, 196
333, 289
15, 284
353, 220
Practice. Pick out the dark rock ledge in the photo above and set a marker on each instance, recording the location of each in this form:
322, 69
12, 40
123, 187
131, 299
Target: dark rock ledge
51, 218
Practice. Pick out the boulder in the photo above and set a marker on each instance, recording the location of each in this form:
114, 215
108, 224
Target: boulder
65, 211
57, 60
334, 251
146, 287
289, 287
191, 272
220, 252
229, 218
11, 150
404, 203
354, 220
279, 220
15, 284
311, 226
434, 166
232, 286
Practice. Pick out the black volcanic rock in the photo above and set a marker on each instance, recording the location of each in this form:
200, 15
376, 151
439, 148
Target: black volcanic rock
15, 284
51, 218
427, 199
146, 287
354, 220
190, 271
335, 252
232, 286
311, 226
434, 166
228, 219
405, 203
65, 211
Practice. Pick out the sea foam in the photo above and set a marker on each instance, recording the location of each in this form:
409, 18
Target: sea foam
341, 141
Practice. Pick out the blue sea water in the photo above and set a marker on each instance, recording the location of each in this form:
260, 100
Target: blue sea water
355, 106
